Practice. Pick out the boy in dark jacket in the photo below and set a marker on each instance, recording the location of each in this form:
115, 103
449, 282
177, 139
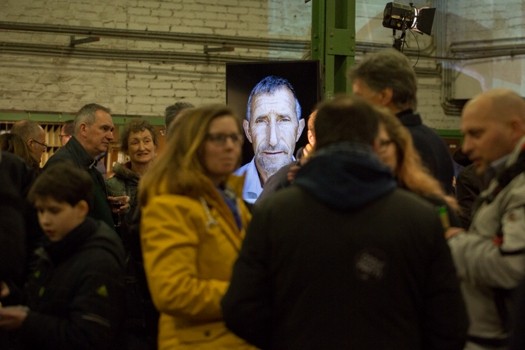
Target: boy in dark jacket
73, 298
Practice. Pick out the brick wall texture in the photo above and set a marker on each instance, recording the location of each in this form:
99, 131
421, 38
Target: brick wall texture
133, 86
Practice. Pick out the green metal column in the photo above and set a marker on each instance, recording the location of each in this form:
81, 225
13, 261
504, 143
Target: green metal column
333, 43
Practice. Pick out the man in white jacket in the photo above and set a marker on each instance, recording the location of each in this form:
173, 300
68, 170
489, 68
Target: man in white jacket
490, 257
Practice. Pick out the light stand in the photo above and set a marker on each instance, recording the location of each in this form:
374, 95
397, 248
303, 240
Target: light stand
406, 17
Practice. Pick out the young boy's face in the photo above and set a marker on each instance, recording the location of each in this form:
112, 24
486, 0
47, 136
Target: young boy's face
57, 219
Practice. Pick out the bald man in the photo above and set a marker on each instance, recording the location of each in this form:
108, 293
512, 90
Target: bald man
490, 257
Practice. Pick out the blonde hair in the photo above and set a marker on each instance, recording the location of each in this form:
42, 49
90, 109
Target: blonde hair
410, 171
180, 169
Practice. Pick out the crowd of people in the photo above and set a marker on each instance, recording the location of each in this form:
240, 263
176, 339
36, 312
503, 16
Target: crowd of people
361, 239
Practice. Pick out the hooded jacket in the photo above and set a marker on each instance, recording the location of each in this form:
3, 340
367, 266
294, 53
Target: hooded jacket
343, 259
346, 176
75, 293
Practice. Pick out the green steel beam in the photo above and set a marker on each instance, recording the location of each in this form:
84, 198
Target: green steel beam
333, 42
450, 133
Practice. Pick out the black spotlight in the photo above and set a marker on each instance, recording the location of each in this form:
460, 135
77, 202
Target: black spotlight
406, 17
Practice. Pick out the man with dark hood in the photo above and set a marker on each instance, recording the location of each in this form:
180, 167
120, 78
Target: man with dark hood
364, 265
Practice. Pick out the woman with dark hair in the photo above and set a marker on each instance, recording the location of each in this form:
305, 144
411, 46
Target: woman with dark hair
193, 223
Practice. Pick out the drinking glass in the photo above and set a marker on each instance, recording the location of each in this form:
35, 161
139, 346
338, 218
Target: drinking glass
116, 200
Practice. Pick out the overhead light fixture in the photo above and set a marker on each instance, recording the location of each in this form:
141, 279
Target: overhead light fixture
406, 17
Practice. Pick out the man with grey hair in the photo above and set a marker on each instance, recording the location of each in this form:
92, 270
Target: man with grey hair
93, 136
273, 125
386, 78
34, 137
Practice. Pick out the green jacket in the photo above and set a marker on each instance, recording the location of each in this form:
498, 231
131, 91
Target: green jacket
125, 181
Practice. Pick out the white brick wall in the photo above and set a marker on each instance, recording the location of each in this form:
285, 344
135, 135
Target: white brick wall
63, 84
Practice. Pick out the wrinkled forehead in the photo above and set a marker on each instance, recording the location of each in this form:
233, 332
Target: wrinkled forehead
279, 101
140, 134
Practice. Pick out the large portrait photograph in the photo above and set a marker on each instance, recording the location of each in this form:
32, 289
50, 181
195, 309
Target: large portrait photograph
274, 100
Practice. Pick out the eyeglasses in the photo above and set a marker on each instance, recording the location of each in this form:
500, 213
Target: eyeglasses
383, 144
39, 143
220, 139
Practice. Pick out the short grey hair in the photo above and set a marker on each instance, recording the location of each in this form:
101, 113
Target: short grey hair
269, 85
26, 129
86, 114
388, 68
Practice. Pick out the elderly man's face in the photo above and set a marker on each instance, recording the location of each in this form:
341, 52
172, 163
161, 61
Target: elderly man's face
98, 136
273, 130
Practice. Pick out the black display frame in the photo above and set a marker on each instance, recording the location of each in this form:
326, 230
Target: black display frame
304, 75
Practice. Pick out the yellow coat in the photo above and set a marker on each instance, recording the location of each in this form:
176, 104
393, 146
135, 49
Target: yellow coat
189, 247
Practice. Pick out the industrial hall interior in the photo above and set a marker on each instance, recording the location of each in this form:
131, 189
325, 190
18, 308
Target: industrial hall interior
262, 174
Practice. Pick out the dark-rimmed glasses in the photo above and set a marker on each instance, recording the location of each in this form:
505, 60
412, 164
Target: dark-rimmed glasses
383, 144
40, 143
220, 138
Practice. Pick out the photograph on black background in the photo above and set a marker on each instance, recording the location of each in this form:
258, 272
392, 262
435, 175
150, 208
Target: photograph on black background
274, 100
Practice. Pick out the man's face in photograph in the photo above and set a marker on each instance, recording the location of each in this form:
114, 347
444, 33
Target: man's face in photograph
273, 129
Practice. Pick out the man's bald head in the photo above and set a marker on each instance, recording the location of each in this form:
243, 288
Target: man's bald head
493, 123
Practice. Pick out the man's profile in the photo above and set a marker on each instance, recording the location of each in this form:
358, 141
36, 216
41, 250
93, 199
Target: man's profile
273, 125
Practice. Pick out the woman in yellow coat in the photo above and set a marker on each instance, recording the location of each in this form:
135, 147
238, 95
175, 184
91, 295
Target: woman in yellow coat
193, 223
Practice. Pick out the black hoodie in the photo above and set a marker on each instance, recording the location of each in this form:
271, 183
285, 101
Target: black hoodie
346, 176
342, 259
75, 293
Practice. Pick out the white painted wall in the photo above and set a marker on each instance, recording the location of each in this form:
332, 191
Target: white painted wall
481, 26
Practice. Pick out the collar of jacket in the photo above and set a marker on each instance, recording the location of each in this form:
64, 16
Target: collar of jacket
516, 153
409, 118
514, 166
214, 200
123, 171
70, 244
80, 153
